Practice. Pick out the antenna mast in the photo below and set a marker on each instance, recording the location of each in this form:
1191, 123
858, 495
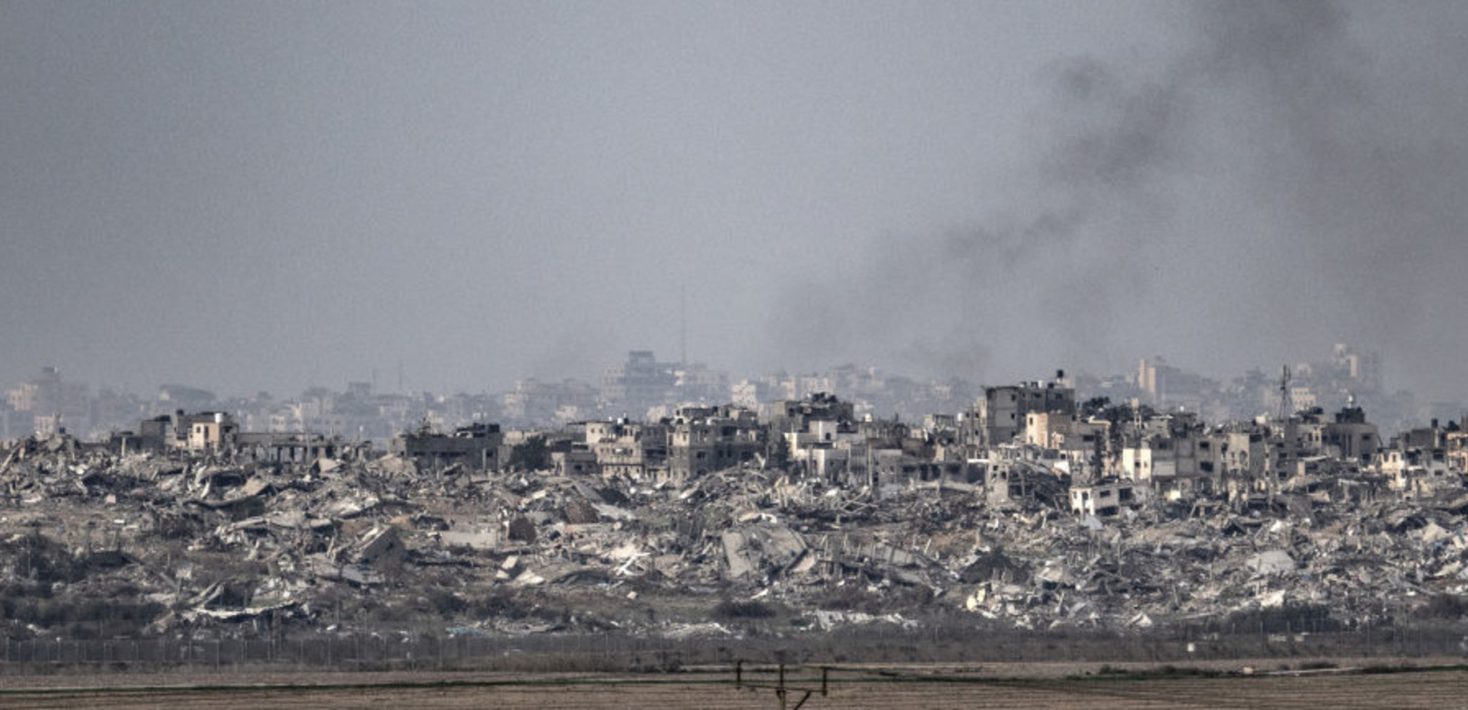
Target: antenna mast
1286, 408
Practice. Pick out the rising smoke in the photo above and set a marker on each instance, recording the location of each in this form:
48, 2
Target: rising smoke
1289, 179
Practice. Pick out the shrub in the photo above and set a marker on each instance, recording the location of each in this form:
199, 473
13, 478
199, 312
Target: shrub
730, 609
1444, 606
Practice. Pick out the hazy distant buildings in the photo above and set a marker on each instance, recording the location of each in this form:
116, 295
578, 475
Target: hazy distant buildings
1170, 387
698, 383
637, 385
46, 404
533, 401
189, 399
749, 394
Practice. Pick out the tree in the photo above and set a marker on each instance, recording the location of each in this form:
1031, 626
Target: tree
533, 455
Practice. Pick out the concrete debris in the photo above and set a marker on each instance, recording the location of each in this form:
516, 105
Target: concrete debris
187, 542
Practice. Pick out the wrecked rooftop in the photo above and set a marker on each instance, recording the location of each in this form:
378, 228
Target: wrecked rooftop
172, 543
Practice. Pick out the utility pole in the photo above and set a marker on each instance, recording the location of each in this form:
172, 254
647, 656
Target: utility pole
1287, 450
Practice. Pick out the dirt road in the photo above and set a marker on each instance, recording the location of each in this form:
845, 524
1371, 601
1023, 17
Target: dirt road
848, 689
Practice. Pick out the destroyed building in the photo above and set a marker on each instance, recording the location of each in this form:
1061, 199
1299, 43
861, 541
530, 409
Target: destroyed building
1001, 414
1177, 461
1103, 499
628, 449
1352, 437
476, 447
705, 439
835, 519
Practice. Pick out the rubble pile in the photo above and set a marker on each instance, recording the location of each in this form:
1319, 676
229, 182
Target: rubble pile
94, 543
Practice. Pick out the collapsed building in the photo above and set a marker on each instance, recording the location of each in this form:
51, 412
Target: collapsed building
476, 446
1117, 518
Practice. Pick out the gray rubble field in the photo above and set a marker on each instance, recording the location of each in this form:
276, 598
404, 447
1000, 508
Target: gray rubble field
156, 545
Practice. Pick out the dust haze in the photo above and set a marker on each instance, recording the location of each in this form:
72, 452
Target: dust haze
276, 196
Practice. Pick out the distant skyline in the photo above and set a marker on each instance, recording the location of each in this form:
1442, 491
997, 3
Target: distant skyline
271, 195
388, 382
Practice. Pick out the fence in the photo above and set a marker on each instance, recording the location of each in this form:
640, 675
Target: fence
619, 652
346, 652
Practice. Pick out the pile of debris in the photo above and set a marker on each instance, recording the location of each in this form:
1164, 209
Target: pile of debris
167, 543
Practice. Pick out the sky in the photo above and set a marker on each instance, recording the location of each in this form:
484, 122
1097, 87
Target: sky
270, 195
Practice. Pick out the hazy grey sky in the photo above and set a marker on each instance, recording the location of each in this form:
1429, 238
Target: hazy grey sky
253, 195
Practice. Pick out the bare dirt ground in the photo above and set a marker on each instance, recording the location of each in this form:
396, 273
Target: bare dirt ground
996, 686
